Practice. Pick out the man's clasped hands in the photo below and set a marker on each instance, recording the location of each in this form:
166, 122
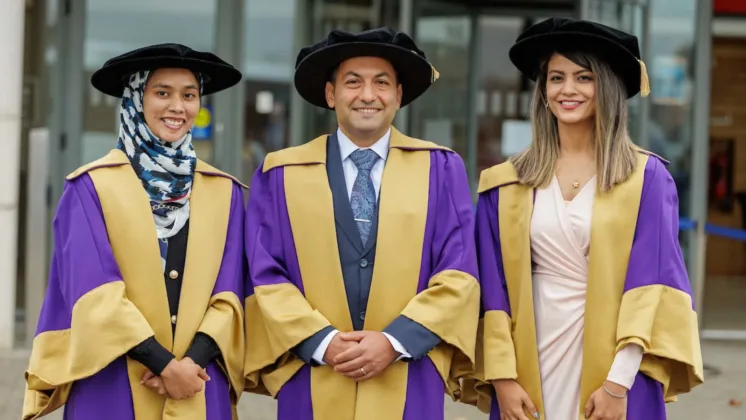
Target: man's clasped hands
360, 355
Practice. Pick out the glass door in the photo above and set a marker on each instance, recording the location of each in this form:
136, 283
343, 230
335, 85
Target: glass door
503, 95
269, 32
445, 33
724, 291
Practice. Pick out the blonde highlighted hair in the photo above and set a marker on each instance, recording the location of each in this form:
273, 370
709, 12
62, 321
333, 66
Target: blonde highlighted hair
615, 153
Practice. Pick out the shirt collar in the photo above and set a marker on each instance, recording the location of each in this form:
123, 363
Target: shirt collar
346, 146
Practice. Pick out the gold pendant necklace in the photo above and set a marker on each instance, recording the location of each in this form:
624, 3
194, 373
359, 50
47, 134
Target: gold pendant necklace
576, 184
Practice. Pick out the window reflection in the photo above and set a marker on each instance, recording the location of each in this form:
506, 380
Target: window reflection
440, 114
502, 100
671, 77
269, 59
725, 287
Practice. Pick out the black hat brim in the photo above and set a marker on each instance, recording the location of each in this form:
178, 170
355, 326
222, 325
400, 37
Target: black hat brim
112, 79
527, 55
414, 73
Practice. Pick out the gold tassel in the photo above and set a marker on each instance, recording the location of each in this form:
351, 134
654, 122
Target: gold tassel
436, 75
644, 81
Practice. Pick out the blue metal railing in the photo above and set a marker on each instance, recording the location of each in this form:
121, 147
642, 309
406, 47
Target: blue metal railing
737, 234
686, 224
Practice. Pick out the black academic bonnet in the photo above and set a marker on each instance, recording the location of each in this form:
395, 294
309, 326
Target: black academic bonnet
615, 47
114, 75
316, 63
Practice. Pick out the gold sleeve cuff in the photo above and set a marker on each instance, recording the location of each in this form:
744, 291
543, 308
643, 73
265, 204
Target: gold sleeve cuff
495, 359
660, 319
449, 307
497, 345
278, 318
37, 404
223, 322
102, 316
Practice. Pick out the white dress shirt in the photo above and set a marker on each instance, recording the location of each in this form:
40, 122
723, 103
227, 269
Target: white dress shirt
346, 147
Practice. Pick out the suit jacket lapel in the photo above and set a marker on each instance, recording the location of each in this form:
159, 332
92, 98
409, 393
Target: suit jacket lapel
342, 208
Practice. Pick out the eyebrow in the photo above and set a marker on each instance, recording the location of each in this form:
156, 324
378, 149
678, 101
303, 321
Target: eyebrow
574, 73
165, 86
381, 74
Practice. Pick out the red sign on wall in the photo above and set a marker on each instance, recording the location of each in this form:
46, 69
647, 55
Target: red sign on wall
729, 6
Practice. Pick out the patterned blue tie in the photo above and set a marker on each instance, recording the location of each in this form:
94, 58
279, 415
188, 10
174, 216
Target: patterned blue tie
363, 198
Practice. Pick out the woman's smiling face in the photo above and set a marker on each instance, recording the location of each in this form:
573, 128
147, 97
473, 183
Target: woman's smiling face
171, 102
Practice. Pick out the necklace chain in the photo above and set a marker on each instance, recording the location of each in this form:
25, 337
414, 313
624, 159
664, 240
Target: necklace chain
160, 206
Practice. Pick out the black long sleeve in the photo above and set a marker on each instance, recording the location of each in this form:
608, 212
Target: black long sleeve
152, 355
203, 350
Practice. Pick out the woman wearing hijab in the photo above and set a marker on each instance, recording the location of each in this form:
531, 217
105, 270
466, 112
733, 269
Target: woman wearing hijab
143, 315
587, 309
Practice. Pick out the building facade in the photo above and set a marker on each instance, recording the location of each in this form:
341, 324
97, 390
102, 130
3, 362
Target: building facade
478, 107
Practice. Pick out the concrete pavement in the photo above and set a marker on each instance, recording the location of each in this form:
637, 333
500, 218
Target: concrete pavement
711, 401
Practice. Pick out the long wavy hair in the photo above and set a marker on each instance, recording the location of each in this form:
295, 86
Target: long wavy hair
615, 153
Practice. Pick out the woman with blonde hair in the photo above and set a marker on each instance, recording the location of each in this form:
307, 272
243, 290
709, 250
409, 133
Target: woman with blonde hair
587, 309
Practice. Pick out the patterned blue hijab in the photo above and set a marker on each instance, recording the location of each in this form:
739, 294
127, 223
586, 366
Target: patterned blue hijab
166, 170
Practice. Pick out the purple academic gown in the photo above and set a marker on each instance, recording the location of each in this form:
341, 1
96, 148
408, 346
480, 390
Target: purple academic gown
450, 246
83, 260
655, 258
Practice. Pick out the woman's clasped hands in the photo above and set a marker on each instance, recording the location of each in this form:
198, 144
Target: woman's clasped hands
179, 380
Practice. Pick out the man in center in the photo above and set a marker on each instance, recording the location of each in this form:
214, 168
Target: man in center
364, 299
